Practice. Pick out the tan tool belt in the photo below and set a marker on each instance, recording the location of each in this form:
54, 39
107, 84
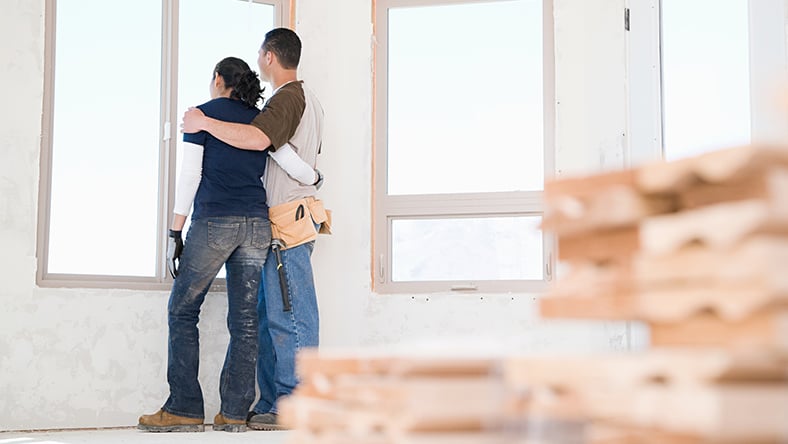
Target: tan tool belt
294, 222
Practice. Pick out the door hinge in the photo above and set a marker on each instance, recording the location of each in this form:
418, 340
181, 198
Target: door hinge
626, 19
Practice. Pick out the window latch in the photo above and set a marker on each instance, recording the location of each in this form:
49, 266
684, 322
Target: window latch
626, 19
467, 287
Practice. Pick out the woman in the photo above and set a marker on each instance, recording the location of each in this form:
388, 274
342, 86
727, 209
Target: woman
229, 227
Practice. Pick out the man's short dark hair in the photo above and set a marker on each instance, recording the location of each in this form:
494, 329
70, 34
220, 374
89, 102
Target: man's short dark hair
285, 44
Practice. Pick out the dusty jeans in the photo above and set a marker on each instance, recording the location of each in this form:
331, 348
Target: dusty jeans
241, 244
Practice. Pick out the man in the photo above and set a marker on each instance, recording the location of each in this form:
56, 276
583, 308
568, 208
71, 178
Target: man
287, 304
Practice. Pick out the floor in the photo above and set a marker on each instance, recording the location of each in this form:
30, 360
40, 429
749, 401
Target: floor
134, 436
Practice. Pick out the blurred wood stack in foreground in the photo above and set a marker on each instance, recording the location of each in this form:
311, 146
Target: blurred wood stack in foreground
369, 398
696, 249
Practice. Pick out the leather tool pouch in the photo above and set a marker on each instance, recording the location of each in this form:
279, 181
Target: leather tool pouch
294, 222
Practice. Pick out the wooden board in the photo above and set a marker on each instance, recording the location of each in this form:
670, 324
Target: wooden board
770, 184
721, 166
602, 307
613, 208
399, 404
605, 433
631, 371
743, 412
385, 362
717, 226
731, 302
766, 329
305, 437
600, 246
757, 257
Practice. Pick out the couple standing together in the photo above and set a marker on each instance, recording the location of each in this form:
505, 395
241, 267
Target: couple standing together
226, 173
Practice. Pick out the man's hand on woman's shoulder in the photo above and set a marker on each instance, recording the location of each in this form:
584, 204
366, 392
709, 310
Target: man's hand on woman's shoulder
193, 121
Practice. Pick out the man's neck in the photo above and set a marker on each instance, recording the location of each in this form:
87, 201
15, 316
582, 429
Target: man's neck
282, 77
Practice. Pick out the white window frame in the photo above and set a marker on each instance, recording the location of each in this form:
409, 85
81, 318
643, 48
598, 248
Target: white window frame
768, 56
167, 149
387, 208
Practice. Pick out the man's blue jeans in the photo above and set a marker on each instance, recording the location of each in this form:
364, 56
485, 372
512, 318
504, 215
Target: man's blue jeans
283, 333
241, 243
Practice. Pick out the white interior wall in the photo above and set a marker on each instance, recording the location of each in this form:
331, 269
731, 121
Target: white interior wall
74, 358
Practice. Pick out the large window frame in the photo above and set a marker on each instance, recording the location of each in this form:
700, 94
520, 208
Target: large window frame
645, 79
168, 124
387, 208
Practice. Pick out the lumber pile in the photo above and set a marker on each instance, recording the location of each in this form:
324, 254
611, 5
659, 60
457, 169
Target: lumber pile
695, 249
367, 397
687, 395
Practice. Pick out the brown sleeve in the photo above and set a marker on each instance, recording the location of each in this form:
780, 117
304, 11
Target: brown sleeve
281, 115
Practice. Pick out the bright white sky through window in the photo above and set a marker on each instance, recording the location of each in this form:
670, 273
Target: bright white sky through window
706, 81
105, 138
465, 98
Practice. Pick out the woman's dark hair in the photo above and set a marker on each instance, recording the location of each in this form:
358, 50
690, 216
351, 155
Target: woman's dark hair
285, 44
243, 81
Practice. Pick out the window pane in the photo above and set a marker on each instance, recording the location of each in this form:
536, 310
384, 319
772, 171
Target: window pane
494, 248
452, 127
706, 82
245, 25
199, 51
105, 159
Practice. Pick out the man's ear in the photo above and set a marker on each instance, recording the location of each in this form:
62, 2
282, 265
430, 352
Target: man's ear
217, 81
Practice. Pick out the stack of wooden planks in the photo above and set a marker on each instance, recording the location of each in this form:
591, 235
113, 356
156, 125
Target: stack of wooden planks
370, 398
695, 249
667, 395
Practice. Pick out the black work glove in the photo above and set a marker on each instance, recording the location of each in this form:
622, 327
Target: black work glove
174, 250
319, 182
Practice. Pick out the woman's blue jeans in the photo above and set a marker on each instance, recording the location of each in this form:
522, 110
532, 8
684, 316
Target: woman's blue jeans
241, 244
284, 333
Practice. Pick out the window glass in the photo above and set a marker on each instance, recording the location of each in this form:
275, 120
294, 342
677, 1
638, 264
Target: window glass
105, 138
465, 97
706, 81
467, 249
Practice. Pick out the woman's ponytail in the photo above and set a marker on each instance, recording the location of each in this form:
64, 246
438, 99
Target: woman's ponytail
244, 82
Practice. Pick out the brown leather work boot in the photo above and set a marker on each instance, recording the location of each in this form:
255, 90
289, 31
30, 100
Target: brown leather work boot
264, 421
221, 422
162, 421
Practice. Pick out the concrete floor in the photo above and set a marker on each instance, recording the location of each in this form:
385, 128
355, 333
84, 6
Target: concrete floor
134, 436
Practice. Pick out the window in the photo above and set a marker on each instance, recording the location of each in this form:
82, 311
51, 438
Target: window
721, 61
113, 100
464, 126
